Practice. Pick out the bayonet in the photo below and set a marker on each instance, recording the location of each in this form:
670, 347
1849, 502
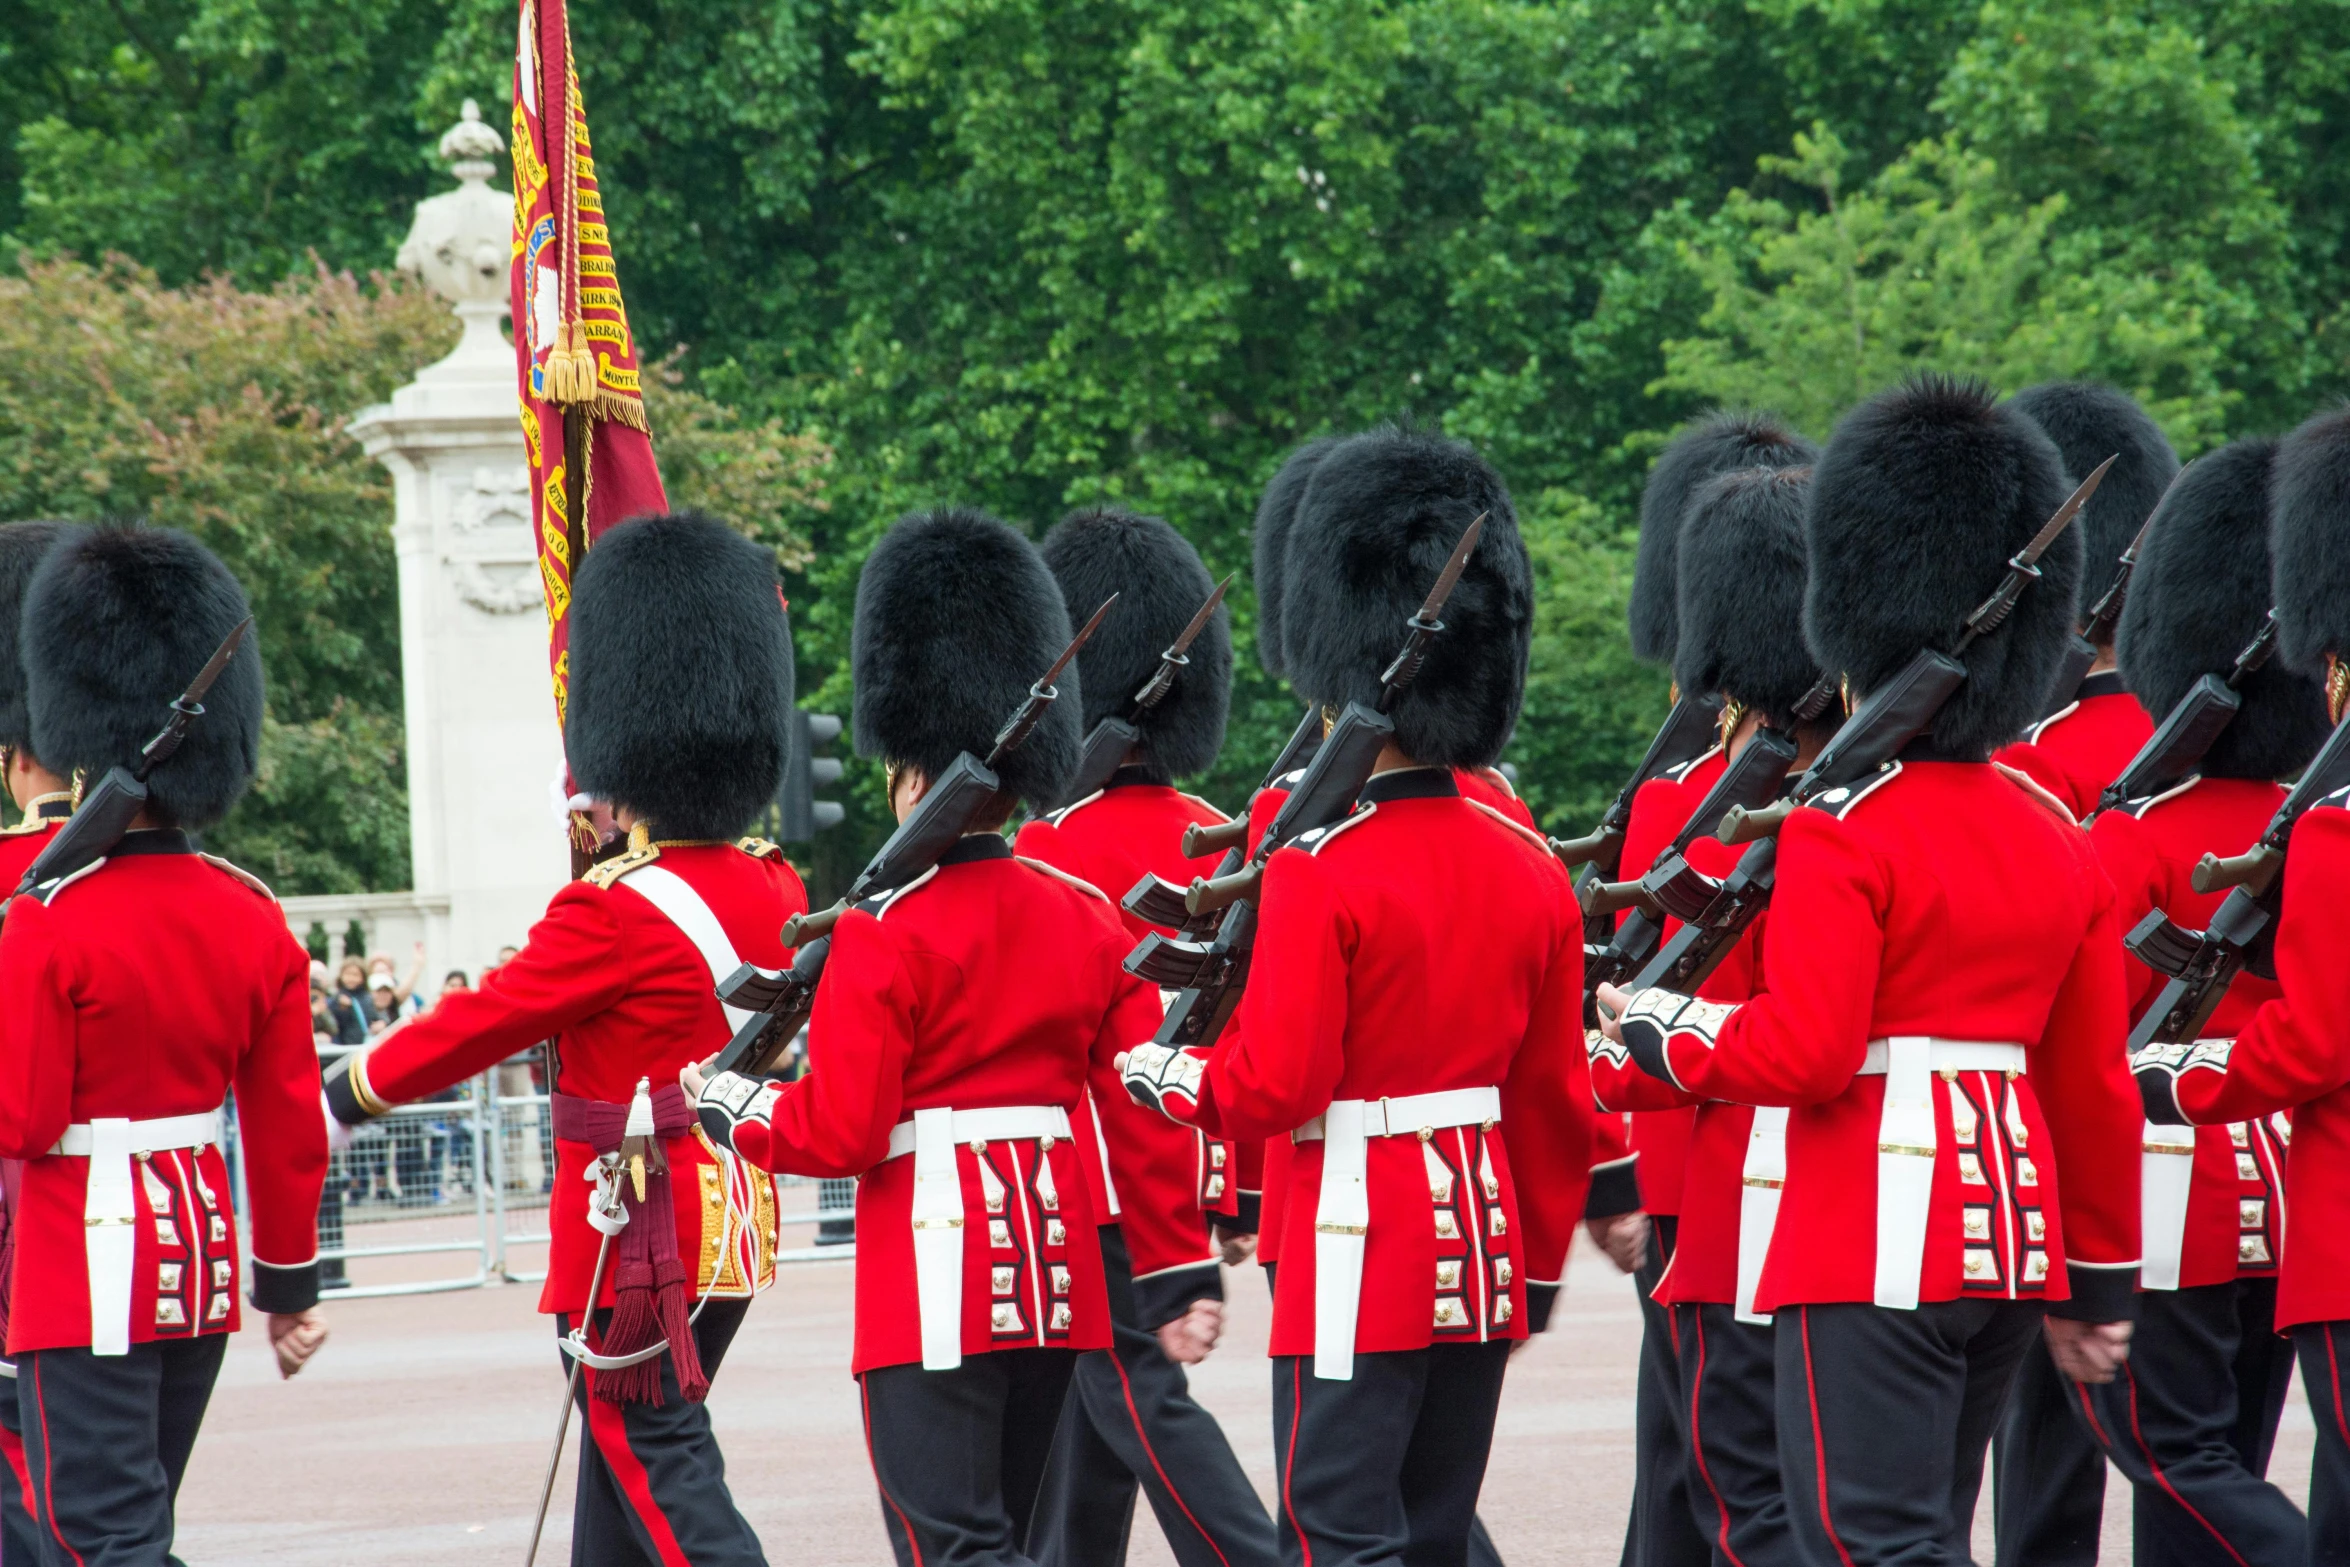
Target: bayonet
1175, 658
2023, 567
1043, 693
1427, 623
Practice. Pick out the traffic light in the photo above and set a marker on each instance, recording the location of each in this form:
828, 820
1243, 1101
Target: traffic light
802, 815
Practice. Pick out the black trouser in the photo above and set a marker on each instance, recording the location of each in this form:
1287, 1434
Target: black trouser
2191, 1420
20, 1539
1662, 1531
1728, 1371
1385, 1467
106, 1439
1883, 1419
1130, 1423
2047, 1476
652, 1483
960, 1455
2325, 1378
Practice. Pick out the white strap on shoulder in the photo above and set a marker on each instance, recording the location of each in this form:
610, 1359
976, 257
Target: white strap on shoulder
667, 891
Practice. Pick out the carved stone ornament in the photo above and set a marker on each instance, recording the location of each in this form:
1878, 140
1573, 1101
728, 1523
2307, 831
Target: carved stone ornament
460, 240
488, 546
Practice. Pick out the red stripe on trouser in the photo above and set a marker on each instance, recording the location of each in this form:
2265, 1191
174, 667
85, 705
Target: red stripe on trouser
49, 1470
1819, 1447
1158, 1468
608, 1426
2334, 1375
1696, 1442
1297, 1415
12, 1448
2138, 1436
865, 1410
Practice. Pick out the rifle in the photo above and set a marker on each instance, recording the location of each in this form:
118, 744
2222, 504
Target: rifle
1212, 975
2190, 728
1113, 740
780, 1000
1158, 901
1714, 914
2080, 650
1688, 731
2242, 933
106, 813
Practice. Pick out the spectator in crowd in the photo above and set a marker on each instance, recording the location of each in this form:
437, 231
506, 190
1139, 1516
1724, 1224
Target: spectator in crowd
322, 1018
349, 1005
451, 983
380, 967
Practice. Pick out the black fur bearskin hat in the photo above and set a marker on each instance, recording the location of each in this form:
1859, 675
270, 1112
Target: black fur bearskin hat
1740, 573
2200, 593
2309, 523
957, 615
2089, 423
1378, 521
1276, 514
117, 620
1161, 583
1712, 445
1922, 495
22, 544
681, 675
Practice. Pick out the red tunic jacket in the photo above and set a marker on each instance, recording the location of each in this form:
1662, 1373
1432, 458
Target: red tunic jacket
2293, 1053
18, 847
151, 986
1426, 943
1941, 900
624, 994
2235, 1205
996, 981
1709, 1136
1165, 1179
2076, 751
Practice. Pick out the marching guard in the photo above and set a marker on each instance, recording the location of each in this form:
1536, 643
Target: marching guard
951, 1041
126, 1269
2290, 1053
1411, 1023
1943, 994
680, 693
1739, 596
1130, 1420
2193, 1415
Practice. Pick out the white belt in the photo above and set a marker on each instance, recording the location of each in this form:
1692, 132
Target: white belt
937, 1215
1763, 1178
110, 1209
2166, 1174
1906, 1144
1342, 1214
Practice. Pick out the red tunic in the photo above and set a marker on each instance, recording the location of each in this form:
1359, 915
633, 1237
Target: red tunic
2079, 749
18, 847
995, 981
2293, 1054
2235, 1205
1164, 1179
1710, 1137
624, 993
1942, 900
1420, 922
152, 986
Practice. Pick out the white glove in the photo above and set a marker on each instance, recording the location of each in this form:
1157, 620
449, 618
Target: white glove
338, 1136
1163, 1079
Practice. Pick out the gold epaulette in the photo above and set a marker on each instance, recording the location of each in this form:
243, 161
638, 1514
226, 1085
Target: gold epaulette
759, 848
604, 873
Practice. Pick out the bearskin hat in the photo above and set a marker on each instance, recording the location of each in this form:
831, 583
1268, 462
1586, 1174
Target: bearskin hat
957, 615
117, 620
681, 675
1739, 571
22, 544
1923, 494
1161, 583
2309, 523
2090, 423
1378, 521
1276, 512
1712, 445
2200, 593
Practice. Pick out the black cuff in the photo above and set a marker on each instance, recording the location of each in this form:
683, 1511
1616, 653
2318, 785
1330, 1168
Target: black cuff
1250, 1208
1159, 1298
2159, 1090
342, 1096
1539, 1299
717, 1125
1645, 1040
2099, 1294
281, 1291
1615, 1189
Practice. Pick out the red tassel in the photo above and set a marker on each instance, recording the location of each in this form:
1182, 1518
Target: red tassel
678, 1328
635, 1326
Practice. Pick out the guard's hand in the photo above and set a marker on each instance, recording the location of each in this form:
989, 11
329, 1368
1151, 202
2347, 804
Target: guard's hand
1612, 1001
1163, 1079
2087, 1351
1623, 1236
1237, 1249
338, 1136
296, 1335
1188, 1339
690, 1078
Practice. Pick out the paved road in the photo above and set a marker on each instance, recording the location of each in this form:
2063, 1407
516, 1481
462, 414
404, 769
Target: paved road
420, 1433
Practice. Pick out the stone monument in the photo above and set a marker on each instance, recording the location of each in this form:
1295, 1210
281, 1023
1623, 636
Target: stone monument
484, 756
